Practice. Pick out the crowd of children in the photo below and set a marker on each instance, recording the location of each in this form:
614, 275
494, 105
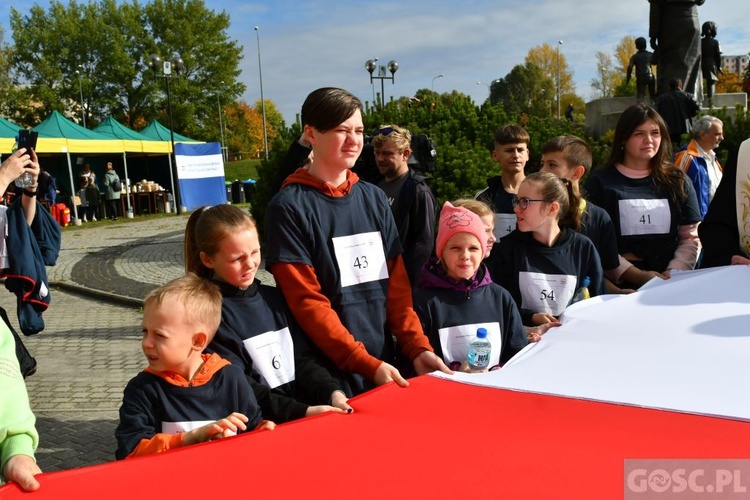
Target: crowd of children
228, 354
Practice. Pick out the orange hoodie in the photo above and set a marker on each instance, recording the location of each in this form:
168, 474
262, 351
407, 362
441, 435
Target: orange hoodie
313, 311
212, 363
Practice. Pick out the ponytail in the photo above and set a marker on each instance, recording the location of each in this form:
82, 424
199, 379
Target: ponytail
205, 230
552, 188
572, 216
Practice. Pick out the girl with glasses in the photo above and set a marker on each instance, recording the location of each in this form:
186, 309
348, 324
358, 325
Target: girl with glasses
652, 203
544, 262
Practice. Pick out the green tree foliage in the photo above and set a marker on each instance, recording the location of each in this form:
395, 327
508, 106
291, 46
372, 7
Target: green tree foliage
6, 87
525, 90
464, 134
109, 44
606, 76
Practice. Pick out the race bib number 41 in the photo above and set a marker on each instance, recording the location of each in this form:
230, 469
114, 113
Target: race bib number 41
546, 293
360, 258
644, 217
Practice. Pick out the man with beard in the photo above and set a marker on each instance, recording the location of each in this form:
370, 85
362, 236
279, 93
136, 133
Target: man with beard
412, 202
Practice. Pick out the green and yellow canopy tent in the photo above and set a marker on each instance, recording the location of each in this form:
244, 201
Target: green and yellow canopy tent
159, 132
8, 134
57, 134
134, 142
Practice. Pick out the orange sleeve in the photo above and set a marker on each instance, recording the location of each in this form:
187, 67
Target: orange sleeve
314, 313
160, 442
402, 320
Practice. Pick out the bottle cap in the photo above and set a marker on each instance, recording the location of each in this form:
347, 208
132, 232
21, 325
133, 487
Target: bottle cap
586, 281
482, 333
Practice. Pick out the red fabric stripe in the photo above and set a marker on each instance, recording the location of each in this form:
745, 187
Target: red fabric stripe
434, 439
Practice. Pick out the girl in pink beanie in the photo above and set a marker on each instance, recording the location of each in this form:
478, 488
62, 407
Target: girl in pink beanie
457, 296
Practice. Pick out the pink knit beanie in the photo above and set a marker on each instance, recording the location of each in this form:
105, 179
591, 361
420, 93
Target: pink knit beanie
458, 220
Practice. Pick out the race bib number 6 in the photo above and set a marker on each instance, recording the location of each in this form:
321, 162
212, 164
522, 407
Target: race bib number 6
273, 356
360, 258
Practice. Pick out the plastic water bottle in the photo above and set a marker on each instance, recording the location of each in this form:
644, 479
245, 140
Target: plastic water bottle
479, 351
583, 292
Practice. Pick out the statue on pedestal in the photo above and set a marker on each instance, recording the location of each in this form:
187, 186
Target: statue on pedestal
675, 38
710, 58
644, 77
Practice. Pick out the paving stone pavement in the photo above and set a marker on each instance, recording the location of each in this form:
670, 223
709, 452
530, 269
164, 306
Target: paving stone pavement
90, 347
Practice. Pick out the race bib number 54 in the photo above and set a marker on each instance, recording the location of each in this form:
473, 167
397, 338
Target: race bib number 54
360, 258
546, 293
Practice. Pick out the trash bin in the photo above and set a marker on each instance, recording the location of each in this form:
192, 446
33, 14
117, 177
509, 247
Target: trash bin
229, 191
237, 195
248, 187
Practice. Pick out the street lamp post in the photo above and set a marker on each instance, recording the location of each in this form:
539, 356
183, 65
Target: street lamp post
433, 81
156, 63
221, 125
80, 89
370, 66
559, 42
262, 102
489, 85
372, 84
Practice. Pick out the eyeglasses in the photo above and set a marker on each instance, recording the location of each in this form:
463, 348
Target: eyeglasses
524, 202
382, 131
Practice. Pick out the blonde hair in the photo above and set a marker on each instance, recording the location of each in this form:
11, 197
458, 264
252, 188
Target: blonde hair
201, 298
400, 137
480, 208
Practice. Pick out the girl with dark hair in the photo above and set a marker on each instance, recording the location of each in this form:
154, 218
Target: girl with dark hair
545, 261
651, 202
334, 252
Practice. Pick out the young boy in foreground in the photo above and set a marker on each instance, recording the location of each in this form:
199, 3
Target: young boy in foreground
184, 396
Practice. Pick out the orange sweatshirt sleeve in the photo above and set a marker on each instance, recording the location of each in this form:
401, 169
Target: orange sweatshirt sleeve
160, 442
402, 320
314, 313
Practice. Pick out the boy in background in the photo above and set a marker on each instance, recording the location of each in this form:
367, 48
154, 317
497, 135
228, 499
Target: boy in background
184, 396
511, 152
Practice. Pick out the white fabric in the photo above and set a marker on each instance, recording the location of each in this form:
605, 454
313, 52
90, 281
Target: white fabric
742, 188
680, 344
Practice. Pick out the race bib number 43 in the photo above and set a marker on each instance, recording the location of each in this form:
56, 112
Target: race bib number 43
644, 217
546, 293
360, 258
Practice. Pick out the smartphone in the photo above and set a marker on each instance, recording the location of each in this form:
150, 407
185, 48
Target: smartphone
27, 139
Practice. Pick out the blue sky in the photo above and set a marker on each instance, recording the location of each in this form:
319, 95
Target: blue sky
316, 43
